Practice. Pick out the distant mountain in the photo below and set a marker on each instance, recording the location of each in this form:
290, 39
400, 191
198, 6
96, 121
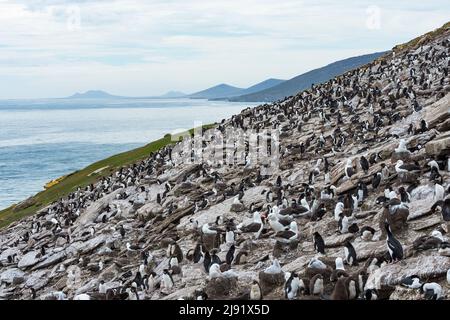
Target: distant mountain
304, 81
94, 94
173, 94
266, 84
220, 91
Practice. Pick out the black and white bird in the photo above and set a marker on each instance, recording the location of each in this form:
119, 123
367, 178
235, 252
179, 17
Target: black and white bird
230, 255
292, 286
364, 164
394, 246
350, 254
319, 243
367, 233
376, 180
431, 291
401, 167
411, 282
349, 169
255, 291
167, 280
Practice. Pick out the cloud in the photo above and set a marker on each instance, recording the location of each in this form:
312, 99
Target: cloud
132, 47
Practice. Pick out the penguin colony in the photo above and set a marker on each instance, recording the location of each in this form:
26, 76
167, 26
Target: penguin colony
359, 207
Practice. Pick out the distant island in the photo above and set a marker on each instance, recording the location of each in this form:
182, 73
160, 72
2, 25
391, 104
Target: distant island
99, 94
94, 94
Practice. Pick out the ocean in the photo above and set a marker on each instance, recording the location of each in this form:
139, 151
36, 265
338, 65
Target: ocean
41, 140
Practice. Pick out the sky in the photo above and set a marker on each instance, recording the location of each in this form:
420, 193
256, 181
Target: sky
54, 48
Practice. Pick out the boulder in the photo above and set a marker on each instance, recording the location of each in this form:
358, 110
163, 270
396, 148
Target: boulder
29, 259
37, 279
12, 276
425, 267
149, 210
269, 281
217, 288
51, 260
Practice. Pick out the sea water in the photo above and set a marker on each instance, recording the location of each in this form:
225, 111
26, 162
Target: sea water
41, 140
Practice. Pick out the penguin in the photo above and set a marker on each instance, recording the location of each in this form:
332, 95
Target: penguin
167, 279
214, 257
352, 288
350, 254
349, 169
401, 167
316, 264
411, 282
404, 195
370, 294
255, 291
339, 263
214, 271
274, 268
376, 180
207, 261
229, 236
364, 164
241, 257
431, 291
122, 231
319, 243
174, 249
340, 291
316, 285
394, 246
343, 224
198, 254
367, 233
292, 286
230, 255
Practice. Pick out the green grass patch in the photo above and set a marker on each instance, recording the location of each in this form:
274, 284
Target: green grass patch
84, 177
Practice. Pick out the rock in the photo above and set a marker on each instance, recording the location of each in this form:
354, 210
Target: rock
210, 241
425, 223
425, 267
37, 280
87, 246
401, 293
217, 288
408, 177
91, 212
326, 273
149, 210
51, 260
11, 276
237, 207
29, 259
337, 240
441, 145
269, 281
90, 286
397, 221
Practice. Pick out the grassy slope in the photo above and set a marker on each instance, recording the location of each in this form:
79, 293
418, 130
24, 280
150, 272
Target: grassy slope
83, 178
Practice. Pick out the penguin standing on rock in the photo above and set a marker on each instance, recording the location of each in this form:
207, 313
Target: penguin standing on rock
350, 254
230, 255
394, 246
319, 243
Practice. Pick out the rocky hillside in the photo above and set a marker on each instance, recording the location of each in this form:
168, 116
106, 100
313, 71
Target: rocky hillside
312, 226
